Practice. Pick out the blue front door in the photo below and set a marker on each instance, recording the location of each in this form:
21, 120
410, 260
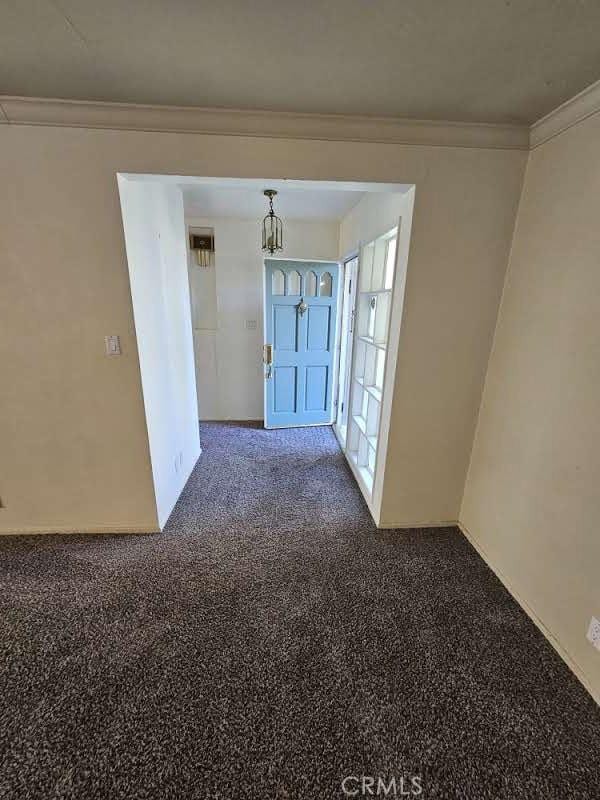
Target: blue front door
300, 319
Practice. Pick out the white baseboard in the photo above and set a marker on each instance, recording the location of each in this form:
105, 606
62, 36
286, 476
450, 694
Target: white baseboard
337, 435
83, 529
231, 420
538, 622
405, 525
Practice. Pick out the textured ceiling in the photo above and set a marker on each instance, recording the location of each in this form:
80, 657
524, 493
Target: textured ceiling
464, 60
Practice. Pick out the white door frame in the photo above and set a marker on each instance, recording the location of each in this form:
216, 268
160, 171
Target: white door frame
345, 339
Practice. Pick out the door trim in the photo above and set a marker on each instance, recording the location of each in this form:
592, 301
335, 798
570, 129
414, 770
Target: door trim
353, 256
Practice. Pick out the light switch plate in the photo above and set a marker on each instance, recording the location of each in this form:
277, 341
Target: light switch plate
593, 634
250, 324
112, 345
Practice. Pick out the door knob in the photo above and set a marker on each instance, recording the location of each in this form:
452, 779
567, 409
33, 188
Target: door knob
302, 308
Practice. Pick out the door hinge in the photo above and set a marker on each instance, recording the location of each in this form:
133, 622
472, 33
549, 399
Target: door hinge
342, 409
350, 286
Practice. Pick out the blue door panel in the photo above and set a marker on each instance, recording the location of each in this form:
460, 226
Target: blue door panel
284, 328
284, 389
317, 323
300, 318
316, 388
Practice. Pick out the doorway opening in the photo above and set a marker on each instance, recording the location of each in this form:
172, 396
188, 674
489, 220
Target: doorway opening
305, 338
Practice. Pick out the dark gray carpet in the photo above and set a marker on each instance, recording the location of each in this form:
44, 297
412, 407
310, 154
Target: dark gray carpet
272, 642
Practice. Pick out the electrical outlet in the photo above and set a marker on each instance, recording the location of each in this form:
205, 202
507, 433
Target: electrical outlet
593, 634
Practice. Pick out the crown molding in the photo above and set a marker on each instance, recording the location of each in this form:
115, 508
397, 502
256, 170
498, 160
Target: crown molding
270, 124
290, 125
578, 108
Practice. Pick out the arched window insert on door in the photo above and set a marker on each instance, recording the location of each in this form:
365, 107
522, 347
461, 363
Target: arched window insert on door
278, 282
325, 284
294, 283
311, 284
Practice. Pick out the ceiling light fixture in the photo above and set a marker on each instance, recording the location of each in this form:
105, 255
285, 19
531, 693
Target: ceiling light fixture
272, 228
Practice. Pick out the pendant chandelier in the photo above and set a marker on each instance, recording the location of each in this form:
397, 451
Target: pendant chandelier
272, 228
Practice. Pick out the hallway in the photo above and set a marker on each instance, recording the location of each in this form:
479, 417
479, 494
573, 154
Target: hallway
271, 642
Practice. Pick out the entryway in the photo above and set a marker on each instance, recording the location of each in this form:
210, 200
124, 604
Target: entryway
303, 336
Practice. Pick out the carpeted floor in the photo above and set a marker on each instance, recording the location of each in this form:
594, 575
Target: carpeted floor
272, 642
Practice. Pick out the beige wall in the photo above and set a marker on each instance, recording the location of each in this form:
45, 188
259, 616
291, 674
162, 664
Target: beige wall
463, 218
532, 498
229, 358
74, 443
